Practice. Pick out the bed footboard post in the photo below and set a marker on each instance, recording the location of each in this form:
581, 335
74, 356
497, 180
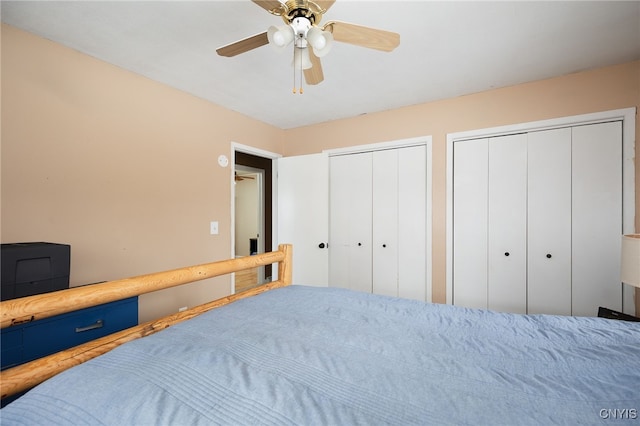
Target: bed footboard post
284, 267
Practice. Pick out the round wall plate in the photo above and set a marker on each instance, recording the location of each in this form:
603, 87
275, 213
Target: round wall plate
223, 161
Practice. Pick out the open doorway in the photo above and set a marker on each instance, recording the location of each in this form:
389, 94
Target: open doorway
252, 214
249, 222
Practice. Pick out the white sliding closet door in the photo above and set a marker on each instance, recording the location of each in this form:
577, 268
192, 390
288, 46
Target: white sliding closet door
507, 224
597, 217
549, 222
470, 200
350, 238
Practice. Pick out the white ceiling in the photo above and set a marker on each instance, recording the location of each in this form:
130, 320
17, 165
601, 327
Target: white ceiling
447, 49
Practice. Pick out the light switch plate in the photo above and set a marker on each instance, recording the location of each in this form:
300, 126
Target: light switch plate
213, 228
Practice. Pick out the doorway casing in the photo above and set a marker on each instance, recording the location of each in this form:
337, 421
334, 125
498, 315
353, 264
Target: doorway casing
260, 159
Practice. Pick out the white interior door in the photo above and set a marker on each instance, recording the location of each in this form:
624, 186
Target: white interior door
470, 198
597, 217
549, 211
507, 221
303, 194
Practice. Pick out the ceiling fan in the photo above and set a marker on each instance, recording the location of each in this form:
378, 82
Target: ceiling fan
311, 42
240, 178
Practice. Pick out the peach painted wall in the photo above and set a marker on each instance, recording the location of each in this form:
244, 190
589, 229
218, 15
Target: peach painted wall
122, 168
603, 89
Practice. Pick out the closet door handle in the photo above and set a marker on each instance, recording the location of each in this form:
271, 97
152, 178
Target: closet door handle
548, 255
359, 244
384, 245
97, 324
322, 245
506, 253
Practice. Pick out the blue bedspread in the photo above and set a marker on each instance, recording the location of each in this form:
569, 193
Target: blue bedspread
323, 356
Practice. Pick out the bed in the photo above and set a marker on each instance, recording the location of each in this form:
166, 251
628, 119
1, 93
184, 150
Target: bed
298, 355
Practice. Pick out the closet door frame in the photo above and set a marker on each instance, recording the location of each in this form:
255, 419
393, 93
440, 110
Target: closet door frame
403, 143
628, 118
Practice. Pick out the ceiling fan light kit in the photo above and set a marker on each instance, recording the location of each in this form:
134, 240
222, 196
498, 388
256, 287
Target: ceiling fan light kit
301, 59
302, 18
320, 40
279, 37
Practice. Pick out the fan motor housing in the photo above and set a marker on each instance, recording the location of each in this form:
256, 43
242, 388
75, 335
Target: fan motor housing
300, 27
302, 9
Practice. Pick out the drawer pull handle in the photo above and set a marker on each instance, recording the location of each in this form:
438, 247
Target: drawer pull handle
97, 324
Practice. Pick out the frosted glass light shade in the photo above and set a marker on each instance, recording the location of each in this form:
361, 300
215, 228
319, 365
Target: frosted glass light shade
301, 58
630, 267
320, 41
279, 37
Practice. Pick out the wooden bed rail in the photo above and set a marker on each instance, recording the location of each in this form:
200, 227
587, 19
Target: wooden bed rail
16, 311
31, 308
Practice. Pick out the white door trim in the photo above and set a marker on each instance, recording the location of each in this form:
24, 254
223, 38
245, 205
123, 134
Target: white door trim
626, 115
400, 143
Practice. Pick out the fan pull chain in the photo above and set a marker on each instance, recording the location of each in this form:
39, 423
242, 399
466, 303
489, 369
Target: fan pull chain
300, 55
301, 77
294, 70
301, 91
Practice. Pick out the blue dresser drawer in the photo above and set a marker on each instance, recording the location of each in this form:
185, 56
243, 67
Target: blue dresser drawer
11, 346
30, 341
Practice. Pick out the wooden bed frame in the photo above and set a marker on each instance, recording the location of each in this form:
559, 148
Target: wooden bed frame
31, 308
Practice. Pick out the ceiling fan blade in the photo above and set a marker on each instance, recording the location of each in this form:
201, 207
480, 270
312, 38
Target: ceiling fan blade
325, 4
271, 6
358, 35
313, 75
244, 45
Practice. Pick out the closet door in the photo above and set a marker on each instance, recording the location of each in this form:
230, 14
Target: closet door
549, 222
597, 217
537, 220
385, 222
507, 224
378, 205
470, 199
350, 189
412, 220
399, 222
